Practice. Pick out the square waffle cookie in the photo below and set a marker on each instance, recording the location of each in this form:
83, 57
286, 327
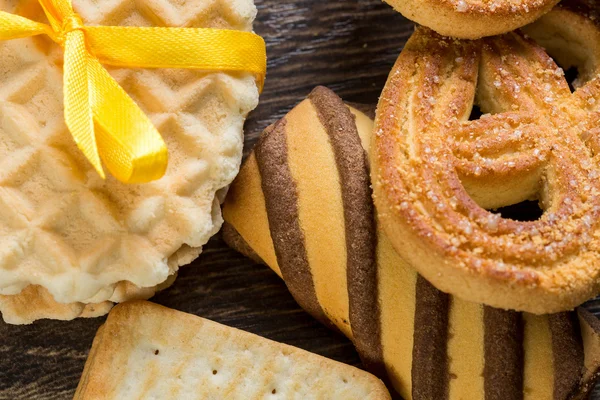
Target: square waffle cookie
71, 243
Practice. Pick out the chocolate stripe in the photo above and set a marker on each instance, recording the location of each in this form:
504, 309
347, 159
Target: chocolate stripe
430, 374
359, 220
504, 363
591, 377
568, 354
281, 200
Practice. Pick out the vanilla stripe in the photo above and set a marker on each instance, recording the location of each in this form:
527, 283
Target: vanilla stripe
538, 372
397, 294
466, 332
321, 210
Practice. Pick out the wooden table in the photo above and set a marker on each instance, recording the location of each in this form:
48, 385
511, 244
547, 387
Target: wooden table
348, 46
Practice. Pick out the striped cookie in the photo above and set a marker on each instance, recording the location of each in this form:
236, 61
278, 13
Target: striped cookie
302, 205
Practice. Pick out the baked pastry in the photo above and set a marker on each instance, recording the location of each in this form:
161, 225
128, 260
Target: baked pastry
318, 232
68, 238
148, 351
472, 19
436, 174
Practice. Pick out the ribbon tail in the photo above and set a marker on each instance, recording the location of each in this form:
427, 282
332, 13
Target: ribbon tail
130, 146
78, 103
199, 48
15, 27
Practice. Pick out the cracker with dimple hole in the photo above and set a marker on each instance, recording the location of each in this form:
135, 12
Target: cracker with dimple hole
68, 238
148, 351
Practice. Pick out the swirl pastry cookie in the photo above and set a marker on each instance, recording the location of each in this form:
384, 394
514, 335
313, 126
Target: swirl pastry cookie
436, 174
318, 231
472, 19
71, 244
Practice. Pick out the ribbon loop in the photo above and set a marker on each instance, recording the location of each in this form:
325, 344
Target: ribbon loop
107, 125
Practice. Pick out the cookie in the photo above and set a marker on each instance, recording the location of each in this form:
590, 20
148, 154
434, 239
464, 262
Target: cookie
290, 207
438, 178
148, 351
74, 239
472, 19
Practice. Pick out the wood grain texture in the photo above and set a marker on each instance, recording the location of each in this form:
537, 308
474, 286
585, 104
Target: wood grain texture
350, 47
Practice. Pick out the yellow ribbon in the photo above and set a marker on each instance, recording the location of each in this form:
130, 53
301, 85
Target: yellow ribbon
104, 121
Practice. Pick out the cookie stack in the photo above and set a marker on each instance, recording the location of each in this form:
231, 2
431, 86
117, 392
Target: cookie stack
442, 296
71, 243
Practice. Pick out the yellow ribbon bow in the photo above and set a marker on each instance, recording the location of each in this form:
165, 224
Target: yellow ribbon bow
104, 121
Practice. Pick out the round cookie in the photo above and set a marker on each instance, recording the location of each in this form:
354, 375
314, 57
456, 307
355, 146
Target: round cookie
78, 239
472, 19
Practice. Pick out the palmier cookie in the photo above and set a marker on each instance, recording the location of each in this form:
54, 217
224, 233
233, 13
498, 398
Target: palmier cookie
472, 19
436, 175
318, 232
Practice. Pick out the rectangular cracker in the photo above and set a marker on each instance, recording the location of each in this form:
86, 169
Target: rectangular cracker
152, 352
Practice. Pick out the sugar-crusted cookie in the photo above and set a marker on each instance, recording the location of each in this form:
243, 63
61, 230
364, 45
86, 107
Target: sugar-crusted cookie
437, 176
472, 19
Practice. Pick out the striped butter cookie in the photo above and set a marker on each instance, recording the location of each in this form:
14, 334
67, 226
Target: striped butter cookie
301, 204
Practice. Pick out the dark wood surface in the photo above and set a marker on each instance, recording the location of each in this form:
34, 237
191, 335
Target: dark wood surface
348, 46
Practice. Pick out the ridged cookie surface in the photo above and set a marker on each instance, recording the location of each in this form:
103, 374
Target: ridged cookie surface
148, 351
75, 236
295, 206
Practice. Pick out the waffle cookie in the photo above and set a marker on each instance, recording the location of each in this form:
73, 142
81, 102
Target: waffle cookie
148, 351
318, 231
472, 19
72, 243
436, 177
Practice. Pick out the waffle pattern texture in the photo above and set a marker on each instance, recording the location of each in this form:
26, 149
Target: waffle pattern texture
70, 241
